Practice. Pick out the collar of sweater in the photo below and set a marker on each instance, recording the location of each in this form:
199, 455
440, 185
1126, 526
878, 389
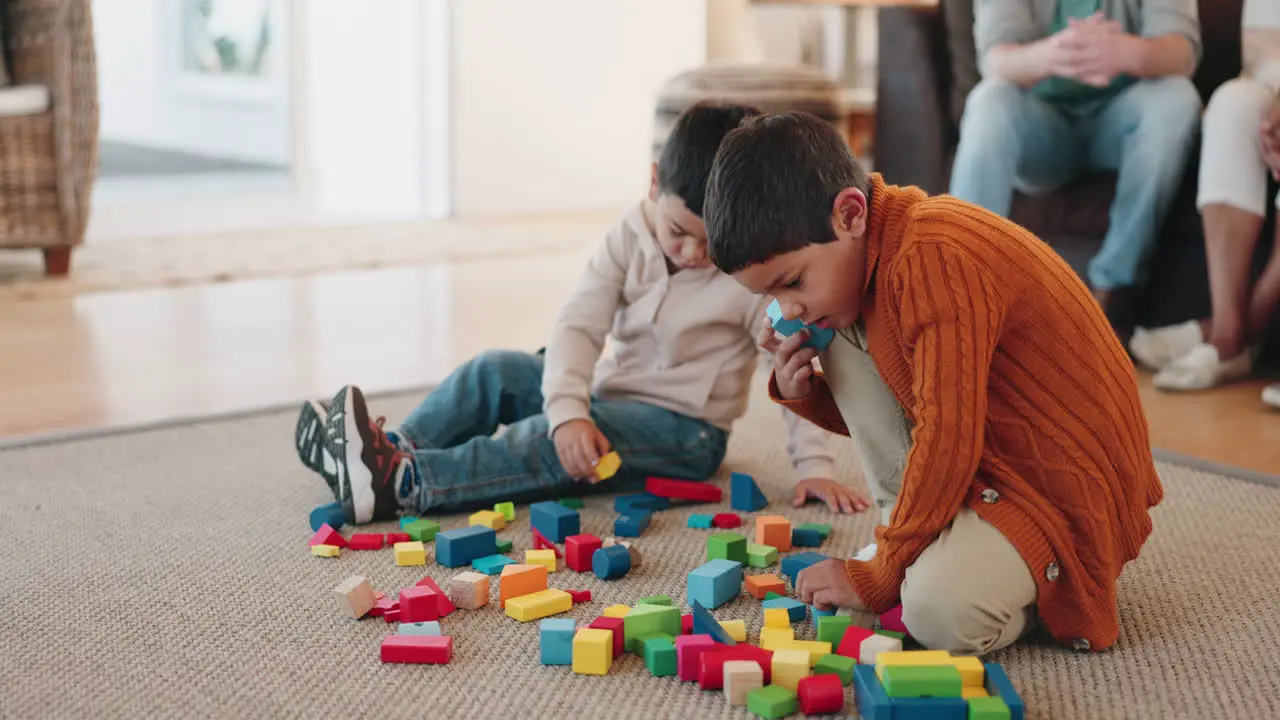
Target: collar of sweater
886, 223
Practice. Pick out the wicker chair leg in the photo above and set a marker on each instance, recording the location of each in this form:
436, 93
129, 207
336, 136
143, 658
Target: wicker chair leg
57, 261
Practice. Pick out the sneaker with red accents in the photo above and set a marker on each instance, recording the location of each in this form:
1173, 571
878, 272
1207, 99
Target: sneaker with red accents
370, 468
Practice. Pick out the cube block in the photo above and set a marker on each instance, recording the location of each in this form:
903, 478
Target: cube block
421, 530
460, 546
761, 556
508, 510
578, 550
615, 627
469, 590
838, 665
410, 553
592, 651
555, 641
774, 531
659, 655
789, 666
554, 520
740, 678
820, 695
771, 701
546, 558
325, 550
761, 585
356, 596
727, 546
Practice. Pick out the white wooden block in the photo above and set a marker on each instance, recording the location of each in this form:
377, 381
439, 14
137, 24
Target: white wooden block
876, 644
740, 678
469, 590
356, 596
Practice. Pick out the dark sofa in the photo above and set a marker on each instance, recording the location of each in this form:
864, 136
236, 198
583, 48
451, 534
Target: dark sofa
928, 65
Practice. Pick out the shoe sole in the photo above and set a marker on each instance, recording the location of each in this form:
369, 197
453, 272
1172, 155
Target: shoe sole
309, 439
356, 479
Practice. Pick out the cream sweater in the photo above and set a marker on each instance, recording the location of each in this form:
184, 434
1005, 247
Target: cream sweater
1262, 15
684, 342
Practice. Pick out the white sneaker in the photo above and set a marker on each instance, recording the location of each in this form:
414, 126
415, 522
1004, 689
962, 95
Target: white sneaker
1201, 369
1271, 395
1157, 347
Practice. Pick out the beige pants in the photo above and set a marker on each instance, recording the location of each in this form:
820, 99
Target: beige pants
1231, 167
969, 592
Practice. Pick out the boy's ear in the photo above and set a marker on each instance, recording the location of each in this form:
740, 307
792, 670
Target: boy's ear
849, 213
653, 182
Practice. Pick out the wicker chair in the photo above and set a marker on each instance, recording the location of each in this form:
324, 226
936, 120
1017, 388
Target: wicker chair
49, 144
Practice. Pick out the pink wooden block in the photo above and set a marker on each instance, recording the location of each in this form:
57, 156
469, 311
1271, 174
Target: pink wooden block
689, 649
891, 620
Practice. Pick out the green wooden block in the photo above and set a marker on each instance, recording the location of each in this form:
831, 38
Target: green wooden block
507, 509
660, 655
575, 503
646, 620
836, 665
771, 701
761, 556
890, 633
988, 708
909, 681
831, 628
823, 529
422, 530
504, 545
655, 600
772, 595
727, 546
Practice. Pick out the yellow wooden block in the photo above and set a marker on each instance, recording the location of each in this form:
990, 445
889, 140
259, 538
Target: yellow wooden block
973, 692
325, 550
536, 606
789, 667
608, 465
592, 651
815, 648
772, 638
737, 629
911, 657
411, 553
616, 611
489, 519
776, 617
545, 558
971, 672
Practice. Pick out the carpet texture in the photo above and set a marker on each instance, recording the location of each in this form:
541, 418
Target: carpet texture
166, 574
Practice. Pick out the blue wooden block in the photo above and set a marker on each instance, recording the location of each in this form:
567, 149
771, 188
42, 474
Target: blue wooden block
640, 501
819, 612
704, 623
819, 338
998, 685
555, 641
744, 493
796, 610
331, 514
715, 583
804, 537
460, 546
873, 702
554, 520
929, 708
793, 564
701, 522
405, 520
631, 525
430, 627
611, 563
490, 564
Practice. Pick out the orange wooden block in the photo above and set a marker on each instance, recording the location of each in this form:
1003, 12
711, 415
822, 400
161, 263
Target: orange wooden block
774, 530
761, 585
517, 580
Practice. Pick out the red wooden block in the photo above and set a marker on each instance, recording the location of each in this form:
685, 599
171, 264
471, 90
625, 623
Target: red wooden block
578, 549
326, 535
689, 649
851, 642
711, 674
366, 541
392, 616
726, 520
540, 542
891, 620
821, 694
446, 605
428, 649
686, 624
616, 626
393, 538
384, 605
378, 595
419, 604
684, 489
579, 596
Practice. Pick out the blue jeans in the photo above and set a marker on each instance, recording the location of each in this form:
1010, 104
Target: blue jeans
462, 464
1010, 138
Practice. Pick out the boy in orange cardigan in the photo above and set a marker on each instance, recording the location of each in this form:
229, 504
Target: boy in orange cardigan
995, 412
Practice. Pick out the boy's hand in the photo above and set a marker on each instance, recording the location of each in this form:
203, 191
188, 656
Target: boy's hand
826, 586
579, 445
792, 364
837, 497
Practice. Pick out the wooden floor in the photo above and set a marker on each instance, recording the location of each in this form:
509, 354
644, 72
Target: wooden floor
134, 357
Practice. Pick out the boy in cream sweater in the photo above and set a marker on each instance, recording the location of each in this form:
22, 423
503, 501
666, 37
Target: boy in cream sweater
664, 400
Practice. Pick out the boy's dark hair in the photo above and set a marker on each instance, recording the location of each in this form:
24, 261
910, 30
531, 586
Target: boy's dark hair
772, 187
691, 147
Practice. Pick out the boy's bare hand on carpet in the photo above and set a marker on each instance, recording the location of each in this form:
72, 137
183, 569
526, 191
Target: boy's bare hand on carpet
826, 586
579, 445
839, 498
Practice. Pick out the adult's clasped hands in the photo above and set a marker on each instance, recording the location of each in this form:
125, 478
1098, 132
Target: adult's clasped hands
1093, 50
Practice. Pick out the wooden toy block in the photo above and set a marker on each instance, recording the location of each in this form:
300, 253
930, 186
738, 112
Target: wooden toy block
410, 553
819, 337
930, 708
428, 649
971, 671
760, 585
656, 600
796, 610
648, 620
777, 617
805, 538
776, 638
421, 530
640, 502
392, 616
920, 680
727, 546
331, 515
691, 490
713, 661
460, 546
488, 518
987, 708
686, 624
615, 626
772, 595
326, 535
850, 644
616, 611
541, 557
820, 695
406, 519
898, 635
554, 520
635, 554
383, 606
555, 641
891, 620
592, 651
366, 541
998, 685
491, 564
815, 648
517, 580
876, 645
419, 604
816, 612
911, 657
659, 655
573, 503
726, 521
446, 605
535, 606
689, 649
580, 596
632, 524
393, 538
967, 692
831, 629
793, 564
502, 545
740, 678
745, 495
838, 665
737, 629
823, 529
788, 667
325, 550
607, 466
704, 623
872, 701
469, 590
540, 542
701, 522
578, 550
715, 583
771, 702
356, 596
428, 627
611, 563
761, 556
508, 510
774, 531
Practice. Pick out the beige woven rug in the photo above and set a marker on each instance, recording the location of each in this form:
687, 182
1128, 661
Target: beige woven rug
165, 573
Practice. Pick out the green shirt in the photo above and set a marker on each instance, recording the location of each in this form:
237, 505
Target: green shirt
1069, 91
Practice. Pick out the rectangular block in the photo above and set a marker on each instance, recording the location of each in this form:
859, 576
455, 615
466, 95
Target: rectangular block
538, 605
873, 703
715, 583
421, 530
488, 518
426, 649
554, 520
793, 564
395, 537
905, 681
460, 546
700, 522
517, 580
777, 618
546, 558
555, 641
325, 550
633, 524
838, 665
410, 553
831, 629
503, 545
789, 666
761, 556
775, 531
932, 708
366, 541
428, 627
815, 648
988, 708
740, 678
592, 651
998, 685
737, 629
776, 638
912, 657
419, 604
660, 655
647, 620
640, 502
971, 672
712, 662
689, 649
618, 611
761, 585
491, 564
801, 537
573, 503
656, 600
690, 490
823, 529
